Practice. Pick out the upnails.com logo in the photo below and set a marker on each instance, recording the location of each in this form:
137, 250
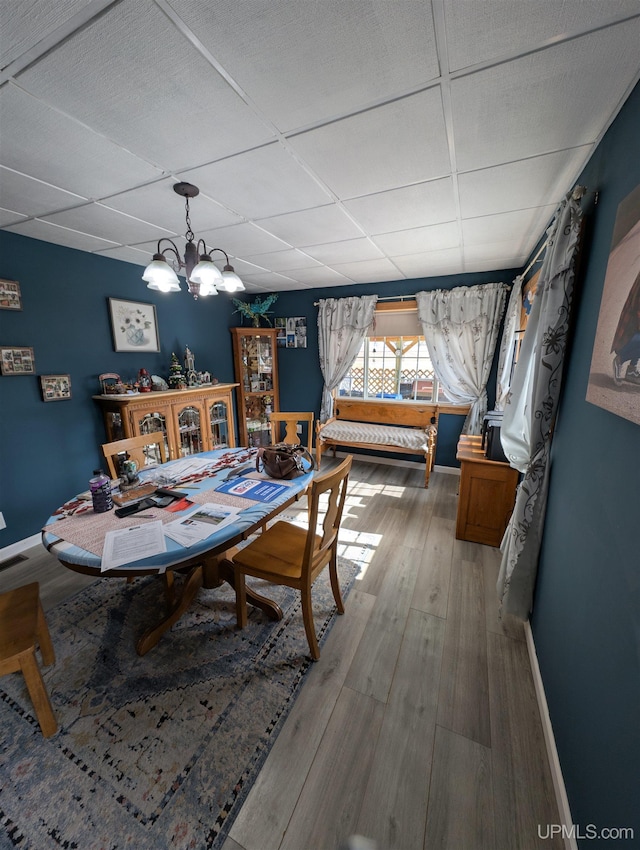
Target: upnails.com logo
549, 831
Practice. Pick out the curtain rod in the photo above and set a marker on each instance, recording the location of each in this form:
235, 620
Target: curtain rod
386, 298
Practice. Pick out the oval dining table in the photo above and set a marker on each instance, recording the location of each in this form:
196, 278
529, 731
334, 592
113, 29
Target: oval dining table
75, 533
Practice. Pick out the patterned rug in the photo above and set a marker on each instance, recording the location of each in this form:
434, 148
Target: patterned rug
154, 752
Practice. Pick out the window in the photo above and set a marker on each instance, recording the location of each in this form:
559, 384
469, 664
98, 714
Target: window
392, 367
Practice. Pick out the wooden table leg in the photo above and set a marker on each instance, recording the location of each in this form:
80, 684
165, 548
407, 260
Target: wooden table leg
191, 586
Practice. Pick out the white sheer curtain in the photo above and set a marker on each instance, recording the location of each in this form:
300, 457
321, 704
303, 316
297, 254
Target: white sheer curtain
460, 327
505, 358
342, 325
531, 407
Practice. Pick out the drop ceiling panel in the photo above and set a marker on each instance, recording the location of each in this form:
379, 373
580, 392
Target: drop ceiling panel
527, 183
33, 197
48, 146
280, 261
37, 229
243, 240
158, 77
304, 228
303, 63
393, 145
259, 183
529, 112
479, 32
321, 276
419, 239
25, 23
158, 203
520, 228
107, 223
409, 207
342, 252
129, 255
10, 217
430, 263
368, 270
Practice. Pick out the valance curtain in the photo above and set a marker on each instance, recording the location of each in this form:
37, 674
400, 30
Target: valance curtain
505, 358
342, 325
531, 407
460, 327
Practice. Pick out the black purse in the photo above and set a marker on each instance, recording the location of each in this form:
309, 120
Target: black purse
283, 460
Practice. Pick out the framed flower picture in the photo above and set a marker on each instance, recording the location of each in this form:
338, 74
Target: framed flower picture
133, 325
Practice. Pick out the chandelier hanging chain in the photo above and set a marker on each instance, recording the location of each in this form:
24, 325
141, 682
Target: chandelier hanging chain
189, 234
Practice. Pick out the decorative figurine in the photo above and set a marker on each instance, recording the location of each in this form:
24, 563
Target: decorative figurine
144, 381
177, 380
258, 310
189, 365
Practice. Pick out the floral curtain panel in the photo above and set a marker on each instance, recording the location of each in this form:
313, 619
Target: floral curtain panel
505, 358
342, 325
460, 327
531, 407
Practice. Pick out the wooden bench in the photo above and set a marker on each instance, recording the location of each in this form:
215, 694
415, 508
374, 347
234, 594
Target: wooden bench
393, 426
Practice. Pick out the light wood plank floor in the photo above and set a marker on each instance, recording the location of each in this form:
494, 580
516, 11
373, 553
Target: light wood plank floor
418, 728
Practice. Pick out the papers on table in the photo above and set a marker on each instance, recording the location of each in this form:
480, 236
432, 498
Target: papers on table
200, 523
132, 544
253, 488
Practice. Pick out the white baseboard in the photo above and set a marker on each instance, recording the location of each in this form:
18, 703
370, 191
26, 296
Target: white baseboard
552, 753
19, 546
410, 464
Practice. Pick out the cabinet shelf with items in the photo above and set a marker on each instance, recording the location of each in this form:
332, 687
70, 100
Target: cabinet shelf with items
193, 420
256, 371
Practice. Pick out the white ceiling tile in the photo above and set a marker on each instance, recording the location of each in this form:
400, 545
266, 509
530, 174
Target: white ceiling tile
529, 113
159, 204
263, 182
304, 228
343, 252
27, 22
280, 261
37, 229
268, 279
129, 255
304, 63
10, 217
33, 197
98, 220
84, 162
419, 239
478, 32
194, 115
368, 270
527, 183
518, 228
409, 207
321, 276
431, 263
243, 240
394, 145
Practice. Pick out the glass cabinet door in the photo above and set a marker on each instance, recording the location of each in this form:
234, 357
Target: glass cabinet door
114, 426
257, 361
219, 420
189, 431
258, 412
151, 423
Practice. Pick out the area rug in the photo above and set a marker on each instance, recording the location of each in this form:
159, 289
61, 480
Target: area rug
154, 752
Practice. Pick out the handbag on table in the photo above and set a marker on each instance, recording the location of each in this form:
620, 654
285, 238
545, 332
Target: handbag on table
283, 460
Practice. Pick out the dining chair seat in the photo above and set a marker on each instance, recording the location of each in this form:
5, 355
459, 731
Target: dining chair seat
23, 627
293, 556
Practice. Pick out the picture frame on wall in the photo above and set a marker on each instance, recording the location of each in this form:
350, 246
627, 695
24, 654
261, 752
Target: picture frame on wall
17, 360
10, 295
55, 387
134, 325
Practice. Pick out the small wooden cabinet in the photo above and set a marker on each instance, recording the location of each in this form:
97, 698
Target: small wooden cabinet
487, 494
255, 358
193, 420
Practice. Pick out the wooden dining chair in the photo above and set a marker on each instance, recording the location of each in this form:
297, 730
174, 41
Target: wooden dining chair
290, 555
290, 422
135, 448
22, 628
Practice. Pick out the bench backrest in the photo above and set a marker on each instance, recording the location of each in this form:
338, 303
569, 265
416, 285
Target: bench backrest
407, 413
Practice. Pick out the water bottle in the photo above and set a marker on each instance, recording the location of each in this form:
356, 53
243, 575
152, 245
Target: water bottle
100, 487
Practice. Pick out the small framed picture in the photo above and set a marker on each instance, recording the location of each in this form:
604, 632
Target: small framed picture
55, 387
134, 326
10, 297
17, 361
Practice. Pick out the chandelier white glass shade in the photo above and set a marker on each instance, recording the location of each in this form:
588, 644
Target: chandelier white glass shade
203, 276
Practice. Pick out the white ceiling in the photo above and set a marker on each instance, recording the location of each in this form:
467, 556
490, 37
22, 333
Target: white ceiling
333, 141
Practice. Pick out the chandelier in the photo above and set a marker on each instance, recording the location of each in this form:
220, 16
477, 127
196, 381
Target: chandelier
203, 276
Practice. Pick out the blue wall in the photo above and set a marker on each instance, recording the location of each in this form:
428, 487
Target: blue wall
586, 618
49, 451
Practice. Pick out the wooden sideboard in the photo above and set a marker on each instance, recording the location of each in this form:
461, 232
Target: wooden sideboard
193, 420
487, 494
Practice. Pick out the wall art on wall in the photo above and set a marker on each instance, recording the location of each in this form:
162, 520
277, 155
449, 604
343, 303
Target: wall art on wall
134, 326
17, 361
10, 296
614, 378
55, 387
292, 332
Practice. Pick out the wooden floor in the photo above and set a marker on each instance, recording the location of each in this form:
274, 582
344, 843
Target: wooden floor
418, 728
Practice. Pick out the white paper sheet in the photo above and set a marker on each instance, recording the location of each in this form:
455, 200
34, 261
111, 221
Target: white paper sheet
125, 545
200, 523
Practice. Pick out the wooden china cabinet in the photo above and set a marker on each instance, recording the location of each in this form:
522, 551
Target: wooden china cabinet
192, 420
255, 358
